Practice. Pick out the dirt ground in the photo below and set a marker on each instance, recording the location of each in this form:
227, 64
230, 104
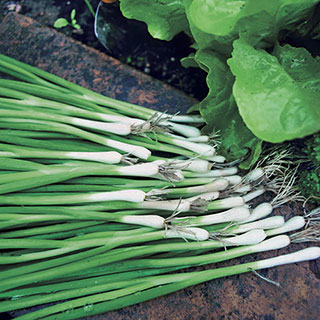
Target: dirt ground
126, 40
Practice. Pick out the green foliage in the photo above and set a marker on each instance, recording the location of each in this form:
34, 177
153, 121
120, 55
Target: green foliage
164, 19
312, 149
309, 184
277, 96
62, 22
220, 106
258, 90
87, 2
309, 178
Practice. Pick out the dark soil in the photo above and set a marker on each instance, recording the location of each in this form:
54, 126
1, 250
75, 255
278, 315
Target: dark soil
125, 40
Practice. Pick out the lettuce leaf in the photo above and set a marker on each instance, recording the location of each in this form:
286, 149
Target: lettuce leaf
277, 99
257, 21
265, 92
217, 16
164, 18
220, 17
203, 40
293, 12
220, 112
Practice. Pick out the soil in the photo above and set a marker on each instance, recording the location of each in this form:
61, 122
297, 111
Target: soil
125, 40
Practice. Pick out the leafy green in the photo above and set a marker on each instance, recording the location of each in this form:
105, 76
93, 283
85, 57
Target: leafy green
60, 23
164, 18
219, 106
217, 16
225, 17
266, 92
277, 103
203, 40
73, 14
292, 12
300, 65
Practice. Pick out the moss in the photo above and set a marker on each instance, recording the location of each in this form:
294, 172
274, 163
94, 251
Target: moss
312, 149
309, 176
309, 184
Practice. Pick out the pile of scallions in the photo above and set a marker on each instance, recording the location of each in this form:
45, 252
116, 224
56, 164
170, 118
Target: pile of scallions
104, 192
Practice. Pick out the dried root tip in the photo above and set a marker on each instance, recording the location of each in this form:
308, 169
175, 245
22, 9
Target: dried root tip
141, 129
155, 194
237, 190
285, 190
312, 217
277, 159
273, 167
199, 205
196, 234
277, 284
151, 125
310, 234
160, 122
170, 173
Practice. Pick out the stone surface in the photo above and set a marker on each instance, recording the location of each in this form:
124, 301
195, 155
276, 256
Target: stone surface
28, 41
244, 297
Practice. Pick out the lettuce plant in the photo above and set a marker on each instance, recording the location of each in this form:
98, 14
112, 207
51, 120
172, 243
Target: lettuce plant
260, 88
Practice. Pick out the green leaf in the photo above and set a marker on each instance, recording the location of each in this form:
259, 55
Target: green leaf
220, 112
293, 12
189, 61
164, 18
257, 21
203, 40
77, 26
278, 100
73, 14
300, 65
61, 23
217, 16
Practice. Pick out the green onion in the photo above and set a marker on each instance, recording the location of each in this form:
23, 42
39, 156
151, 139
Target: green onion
104, 201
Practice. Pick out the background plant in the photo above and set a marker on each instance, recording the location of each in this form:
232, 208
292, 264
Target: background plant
261, 87
62, 22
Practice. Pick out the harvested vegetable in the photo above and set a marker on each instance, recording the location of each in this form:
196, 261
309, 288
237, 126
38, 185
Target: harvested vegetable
81, 204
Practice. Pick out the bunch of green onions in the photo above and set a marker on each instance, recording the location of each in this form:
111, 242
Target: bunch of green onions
103, 201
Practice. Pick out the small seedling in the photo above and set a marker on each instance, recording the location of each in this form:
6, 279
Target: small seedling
62, 22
